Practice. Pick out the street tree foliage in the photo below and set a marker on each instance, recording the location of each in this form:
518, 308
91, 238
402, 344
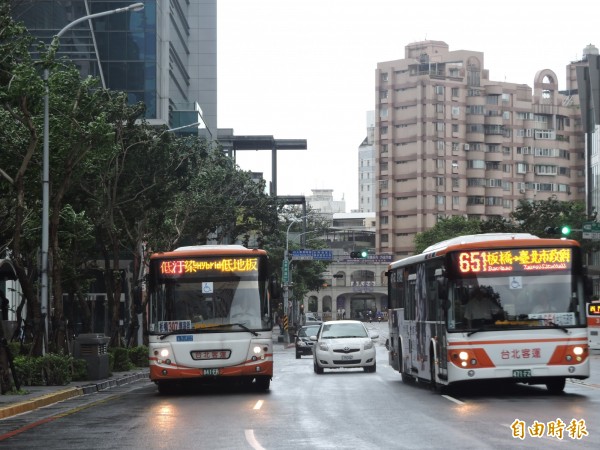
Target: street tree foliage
119, 189
528, 217
306, 275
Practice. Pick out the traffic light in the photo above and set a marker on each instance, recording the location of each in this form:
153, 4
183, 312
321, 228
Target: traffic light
564, 230
361, 254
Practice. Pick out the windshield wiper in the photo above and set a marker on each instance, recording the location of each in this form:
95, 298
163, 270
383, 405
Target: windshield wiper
472, 332
200, 330
555, 325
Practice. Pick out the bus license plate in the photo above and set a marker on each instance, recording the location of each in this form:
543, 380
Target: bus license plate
522, 373
210, 372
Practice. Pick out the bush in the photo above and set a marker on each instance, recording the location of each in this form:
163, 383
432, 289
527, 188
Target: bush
29, 370
139, 356
79, 369
48, 370
57, 369
121, 359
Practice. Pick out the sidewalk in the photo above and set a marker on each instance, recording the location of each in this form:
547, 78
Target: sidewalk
39, 396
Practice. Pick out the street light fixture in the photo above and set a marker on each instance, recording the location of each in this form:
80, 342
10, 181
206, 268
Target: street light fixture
46, 158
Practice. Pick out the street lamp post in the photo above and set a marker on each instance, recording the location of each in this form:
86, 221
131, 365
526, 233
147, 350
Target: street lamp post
46, 162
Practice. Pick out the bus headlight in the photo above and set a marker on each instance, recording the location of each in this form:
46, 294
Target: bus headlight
578, 351
257, 349
162, 352
463, 355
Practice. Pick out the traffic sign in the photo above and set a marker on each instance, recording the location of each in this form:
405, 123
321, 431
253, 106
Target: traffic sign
591, 230
285, 271
310, 255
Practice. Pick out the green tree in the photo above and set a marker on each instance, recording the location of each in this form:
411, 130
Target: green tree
446, 228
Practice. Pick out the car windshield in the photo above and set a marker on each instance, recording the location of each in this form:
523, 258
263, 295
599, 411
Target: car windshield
308, 331
343, 330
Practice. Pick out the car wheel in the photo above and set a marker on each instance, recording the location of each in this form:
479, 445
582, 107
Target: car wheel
371, 369
317, 368
297, 355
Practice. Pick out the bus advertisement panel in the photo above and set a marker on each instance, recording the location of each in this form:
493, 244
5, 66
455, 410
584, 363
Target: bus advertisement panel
209, 310
495, 306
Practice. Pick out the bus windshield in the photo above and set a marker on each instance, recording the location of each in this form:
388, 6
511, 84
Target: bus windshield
206, 304
208, 294
526, 300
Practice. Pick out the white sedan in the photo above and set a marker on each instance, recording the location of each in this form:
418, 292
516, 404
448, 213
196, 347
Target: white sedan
344, 343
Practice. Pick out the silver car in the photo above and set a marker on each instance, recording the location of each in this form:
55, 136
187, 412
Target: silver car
344, 343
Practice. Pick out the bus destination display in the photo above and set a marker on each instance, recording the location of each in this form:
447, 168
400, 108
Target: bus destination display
182, 267
513, 260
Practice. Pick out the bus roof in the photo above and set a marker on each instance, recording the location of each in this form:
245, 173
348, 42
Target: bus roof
484, 241
209, 250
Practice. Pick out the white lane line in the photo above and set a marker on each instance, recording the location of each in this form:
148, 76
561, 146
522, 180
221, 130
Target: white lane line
452, 399
252, 440
259, 404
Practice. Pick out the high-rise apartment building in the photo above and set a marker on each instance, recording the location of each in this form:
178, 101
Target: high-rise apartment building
588, 81
164, 55
450, 141
366, 168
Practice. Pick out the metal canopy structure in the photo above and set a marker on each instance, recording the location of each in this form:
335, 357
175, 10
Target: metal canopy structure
232, 144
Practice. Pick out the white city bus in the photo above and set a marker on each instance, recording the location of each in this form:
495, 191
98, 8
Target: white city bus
593, 320
437, 337
210, 316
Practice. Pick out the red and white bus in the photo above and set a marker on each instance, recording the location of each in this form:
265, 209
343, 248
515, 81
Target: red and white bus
527, 323
210, 316
593, 319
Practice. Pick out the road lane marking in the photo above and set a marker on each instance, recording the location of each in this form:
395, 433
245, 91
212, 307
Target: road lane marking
452, 399
259, 404
252, 440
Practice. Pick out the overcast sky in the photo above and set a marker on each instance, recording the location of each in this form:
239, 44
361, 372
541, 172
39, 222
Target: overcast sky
305, 69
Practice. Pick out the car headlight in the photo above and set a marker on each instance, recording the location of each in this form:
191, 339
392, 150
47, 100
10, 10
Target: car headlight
301, 343
323, 346
368, 345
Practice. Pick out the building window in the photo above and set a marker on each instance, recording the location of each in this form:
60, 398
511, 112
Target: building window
455, 92
384, 76
384, 238
456, 110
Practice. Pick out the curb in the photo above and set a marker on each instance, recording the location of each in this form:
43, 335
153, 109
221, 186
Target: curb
65, 394
39, 402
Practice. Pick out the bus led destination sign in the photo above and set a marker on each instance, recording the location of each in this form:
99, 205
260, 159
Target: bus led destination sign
521, 260
178, 267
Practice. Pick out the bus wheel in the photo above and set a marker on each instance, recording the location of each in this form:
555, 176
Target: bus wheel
262, 383
556, 385
437, 387
165, 387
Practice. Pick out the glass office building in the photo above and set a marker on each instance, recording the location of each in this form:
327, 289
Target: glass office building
164, 55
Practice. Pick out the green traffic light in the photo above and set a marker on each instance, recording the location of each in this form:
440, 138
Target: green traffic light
364, 254
565, 230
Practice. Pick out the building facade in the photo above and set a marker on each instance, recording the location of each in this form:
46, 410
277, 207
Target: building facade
164, 55
588, 79
366, 168
450, 141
